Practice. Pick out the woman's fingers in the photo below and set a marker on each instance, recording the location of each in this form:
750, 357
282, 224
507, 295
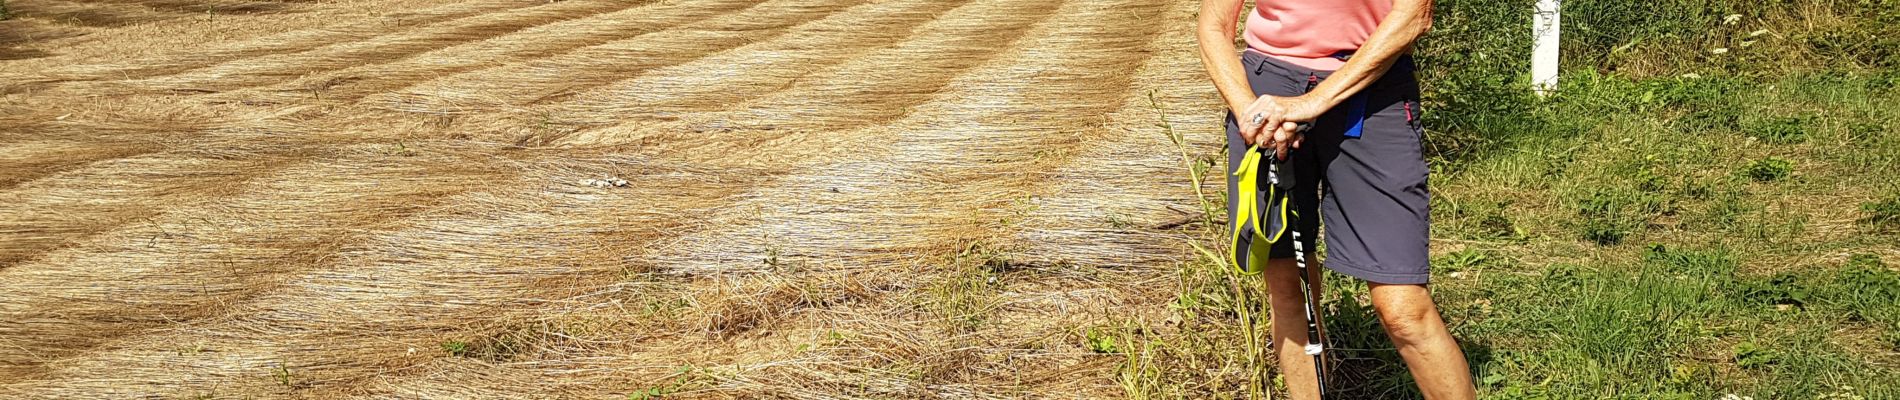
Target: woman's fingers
1267, 124
1272, 126
1250, 127
1287, 135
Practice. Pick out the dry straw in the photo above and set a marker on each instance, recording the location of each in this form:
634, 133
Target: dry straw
824, 199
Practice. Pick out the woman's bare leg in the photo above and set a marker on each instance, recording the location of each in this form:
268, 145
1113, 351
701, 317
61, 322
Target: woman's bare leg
1430, 353
1281, 280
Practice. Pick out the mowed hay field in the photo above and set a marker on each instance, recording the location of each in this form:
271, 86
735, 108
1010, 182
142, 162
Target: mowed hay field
587, 198
818, 199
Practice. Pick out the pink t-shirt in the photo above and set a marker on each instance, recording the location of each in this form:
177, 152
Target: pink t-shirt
1309, 32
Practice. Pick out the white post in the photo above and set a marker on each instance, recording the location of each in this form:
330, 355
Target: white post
1544, 52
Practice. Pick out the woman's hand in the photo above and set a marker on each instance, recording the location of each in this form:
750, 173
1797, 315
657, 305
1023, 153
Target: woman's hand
1285, 115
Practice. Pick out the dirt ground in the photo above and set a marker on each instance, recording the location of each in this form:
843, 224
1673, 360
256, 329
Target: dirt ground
589, 198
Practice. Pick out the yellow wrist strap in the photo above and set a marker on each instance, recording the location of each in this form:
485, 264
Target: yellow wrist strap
1246, 211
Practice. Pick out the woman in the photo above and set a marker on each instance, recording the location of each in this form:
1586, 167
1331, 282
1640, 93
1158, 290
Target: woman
1328, 85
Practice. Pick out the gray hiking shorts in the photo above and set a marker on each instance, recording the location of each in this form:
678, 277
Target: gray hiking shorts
1369, 190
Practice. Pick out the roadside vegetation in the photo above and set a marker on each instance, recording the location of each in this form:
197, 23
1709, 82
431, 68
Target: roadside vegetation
823, 199
1709, 205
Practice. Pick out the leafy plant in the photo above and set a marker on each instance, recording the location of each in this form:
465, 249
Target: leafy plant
684, 379
651, 393
1783, 289
1748, 355
1461, 260
1102, 342
456, 348
281, 373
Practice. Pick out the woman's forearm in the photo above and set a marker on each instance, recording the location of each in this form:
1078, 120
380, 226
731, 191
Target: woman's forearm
1392, 39
1216, 36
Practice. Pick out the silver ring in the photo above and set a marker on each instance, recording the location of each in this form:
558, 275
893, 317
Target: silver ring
1259, 118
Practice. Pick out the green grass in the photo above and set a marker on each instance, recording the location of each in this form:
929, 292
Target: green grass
1883, 215
1674, 223
965, 298
1666, 257
1768, 169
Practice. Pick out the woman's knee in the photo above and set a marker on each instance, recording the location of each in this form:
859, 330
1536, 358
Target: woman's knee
1407, 313
1282, 278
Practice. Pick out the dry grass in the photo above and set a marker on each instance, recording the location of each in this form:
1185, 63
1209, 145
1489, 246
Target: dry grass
823, 199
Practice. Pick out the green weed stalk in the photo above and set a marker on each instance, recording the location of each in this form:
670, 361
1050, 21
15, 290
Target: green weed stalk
1197, 175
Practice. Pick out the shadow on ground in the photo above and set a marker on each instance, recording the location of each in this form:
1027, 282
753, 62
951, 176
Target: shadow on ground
1366, 363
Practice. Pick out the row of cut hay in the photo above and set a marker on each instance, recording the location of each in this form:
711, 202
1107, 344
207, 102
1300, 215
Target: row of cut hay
63, 207
943, 182
25, 161
69, 185
907, 186
210, 6
511, 87
721, 308
734, 311
171, 181
839, 168
960, 177
1095, 213
69, 206
188, 156
95, 145
61, 220
878, 86
756, 69
1105, 244
727, 75
355, 81
356, 314
21, 39
43, 135
892, 345
88, 14
570, 365
265, 69
811, 146
290, 42
674, 334
644, 334
1120, 204
195, 260
906, 345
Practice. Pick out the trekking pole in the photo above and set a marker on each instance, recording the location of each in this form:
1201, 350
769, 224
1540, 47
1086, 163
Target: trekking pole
1313, 340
